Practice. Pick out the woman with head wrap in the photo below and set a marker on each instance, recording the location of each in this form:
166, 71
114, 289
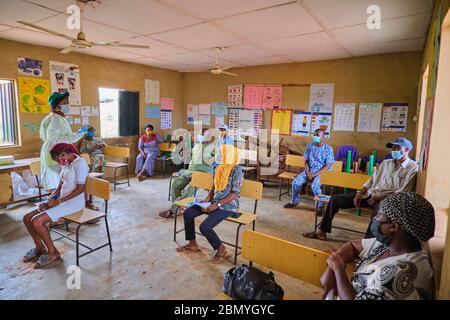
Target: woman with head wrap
55, 129
68, 198
393, 265
224, 201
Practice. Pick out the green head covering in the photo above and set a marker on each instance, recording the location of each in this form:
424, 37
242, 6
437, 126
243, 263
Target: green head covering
56, 97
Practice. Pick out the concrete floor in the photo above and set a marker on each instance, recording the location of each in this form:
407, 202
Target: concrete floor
144, 264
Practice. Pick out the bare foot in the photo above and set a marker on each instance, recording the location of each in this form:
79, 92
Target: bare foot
189, 248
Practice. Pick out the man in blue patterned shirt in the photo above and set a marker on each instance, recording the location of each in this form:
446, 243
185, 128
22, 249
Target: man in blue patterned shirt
318, 158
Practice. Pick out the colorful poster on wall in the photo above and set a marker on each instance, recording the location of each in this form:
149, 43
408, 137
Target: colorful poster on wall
166, 119
66, 77
301, 123
281, 121
233, 121
321, 120
258, 120
272, 97
246, 122
167, 103
235, 96
369, 117
152, 112
253, 96
395, 117
33, 95
344, 117
321, 97
219, 120
205, 119
192, 113
152, 91
29, 67
219, 108
204, 108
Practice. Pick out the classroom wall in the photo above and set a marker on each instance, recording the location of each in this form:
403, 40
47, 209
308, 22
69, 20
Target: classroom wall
95, 72
377, 78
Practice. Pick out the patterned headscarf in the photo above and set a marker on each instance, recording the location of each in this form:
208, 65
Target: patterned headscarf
412, 212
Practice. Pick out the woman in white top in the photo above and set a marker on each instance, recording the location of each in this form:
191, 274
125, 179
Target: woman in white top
393, 265
68, 198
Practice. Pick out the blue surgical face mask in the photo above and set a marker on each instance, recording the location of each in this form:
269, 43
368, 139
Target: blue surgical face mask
65, 108
397, 154
91, 134
375, 229
317, 139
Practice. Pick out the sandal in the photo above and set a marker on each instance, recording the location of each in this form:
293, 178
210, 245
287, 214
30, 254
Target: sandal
219, 259
91, 206
32, 255
165, 214
314, 235
187, 248
290, 205
44, 261
57, 224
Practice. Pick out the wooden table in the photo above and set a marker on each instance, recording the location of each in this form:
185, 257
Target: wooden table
6, 188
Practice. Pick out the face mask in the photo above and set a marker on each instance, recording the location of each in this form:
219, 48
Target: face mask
375, 229
65, 108
397, 155
91, 134
316, 139
200, 138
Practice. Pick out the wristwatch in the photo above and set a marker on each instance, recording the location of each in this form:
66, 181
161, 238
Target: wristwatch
219, 204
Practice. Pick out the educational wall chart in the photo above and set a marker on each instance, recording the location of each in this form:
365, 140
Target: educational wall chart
395, 117
258, 120
33, 95
233, 121
246, 122
321, 120
205, 119
152, 112
204, 108
219, 108
166, 119
235, 96
29, 67
253, 96
74, 111
66, 77
151, 91
272, 97
344, 117
167, 103
84, 121
281, 121
321, 97
95, 112
369, 117
301, 123
85, 111
192, 113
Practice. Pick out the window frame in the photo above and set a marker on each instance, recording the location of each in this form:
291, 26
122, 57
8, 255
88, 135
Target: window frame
17, 137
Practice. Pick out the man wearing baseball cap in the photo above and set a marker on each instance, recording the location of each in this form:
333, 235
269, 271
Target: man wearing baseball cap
394, 175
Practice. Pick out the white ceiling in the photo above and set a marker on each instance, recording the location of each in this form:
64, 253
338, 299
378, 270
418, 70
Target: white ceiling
182, 34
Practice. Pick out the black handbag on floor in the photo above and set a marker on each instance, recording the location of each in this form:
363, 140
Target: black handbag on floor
249, 283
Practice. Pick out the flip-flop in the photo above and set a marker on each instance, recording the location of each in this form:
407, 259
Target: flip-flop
165, 214
187, 249
44, 261
220, 258
314, 235
32, 255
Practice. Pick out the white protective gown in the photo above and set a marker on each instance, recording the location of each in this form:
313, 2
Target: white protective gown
54, 129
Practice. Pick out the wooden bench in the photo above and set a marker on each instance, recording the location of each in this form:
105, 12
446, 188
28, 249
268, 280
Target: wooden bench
297, 261
99, 188
119, 152
250, 189
353, 181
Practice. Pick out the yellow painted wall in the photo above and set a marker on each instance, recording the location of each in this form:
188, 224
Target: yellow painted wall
379, 78
95, 72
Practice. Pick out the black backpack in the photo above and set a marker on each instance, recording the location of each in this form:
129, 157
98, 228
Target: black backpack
249, 283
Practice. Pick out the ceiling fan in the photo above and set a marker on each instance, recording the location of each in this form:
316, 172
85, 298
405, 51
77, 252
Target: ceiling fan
218, 69
80, 41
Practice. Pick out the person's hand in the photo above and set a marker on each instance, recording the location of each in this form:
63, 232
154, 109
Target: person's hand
144, 155
212, 207
336, 262
52, 203
310, 175
373, 200
42, 207
328, 281
357, 200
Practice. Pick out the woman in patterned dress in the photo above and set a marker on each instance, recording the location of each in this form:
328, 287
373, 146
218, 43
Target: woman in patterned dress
94, 147
393, 265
